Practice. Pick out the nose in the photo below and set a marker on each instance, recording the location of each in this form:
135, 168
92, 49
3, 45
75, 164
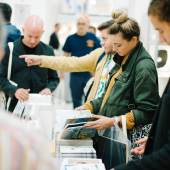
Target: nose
32, 41
162, 39
114, 48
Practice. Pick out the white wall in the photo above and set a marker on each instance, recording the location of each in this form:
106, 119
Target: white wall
51, 12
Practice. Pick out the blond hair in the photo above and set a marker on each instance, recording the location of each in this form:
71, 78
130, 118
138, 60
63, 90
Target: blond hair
125, 25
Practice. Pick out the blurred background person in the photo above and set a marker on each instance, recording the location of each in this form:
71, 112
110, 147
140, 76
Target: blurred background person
79, 44
13, 33
92, 29
54, 39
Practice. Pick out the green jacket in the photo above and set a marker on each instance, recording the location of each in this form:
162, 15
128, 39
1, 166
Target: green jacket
136, 89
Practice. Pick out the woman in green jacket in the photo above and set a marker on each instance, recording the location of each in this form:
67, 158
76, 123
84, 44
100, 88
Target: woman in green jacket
132, 89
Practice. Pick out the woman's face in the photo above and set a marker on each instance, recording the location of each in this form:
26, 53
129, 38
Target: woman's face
162, 27
122, 46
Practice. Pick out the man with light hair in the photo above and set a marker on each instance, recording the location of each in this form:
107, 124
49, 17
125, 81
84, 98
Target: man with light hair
33, 79
79, 44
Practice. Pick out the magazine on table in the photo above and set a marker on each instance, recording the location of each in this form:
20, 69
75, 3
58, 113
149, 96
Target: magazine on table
74, 128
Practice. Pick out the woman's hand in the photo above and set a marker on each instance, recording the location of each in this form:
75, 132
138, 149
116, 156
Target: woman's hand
103, 122
31, 60
141, 148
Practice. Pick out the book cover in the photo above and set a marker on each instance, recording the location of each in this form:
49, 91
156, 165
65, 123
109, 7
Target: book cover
74, 129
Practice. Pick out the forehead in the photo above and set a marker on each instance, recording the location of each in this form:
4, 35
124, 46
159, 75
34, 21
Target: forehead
104, 32
159, 25
82, 20
117, 38
33, 31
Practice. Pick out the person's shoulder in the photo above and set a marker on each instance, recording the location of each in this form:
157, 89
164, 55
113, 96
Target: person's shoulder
17, 43
71, 36
52, 34
89, 34
13, 33
45, 46
145, 62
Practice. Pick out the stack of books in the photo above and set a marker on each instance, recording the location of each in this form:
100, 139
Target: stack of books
73, 139
82, 164
77, 152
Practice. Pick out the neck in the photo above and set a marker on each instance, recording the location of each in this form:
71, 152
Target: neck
81, 33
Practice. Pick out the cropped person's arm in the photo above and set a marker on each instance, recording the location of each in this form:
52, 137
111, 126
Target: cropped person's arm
5, 84
72, 64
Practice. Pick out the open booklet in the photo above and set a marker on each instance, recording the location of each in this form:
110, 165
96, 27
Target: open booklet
74, 127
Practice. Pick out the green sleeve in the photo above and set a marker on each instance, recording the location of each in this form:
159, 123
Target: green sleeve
96, 104
145, 94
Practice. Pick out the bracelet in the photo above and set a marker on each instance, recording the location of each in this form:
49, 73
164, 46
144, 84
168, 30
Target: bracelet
116, 119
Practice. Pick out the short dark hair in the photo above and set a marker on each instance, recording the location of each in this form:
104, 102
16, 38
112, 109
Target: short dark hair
105, 25
6, 11
160, 9
57, 24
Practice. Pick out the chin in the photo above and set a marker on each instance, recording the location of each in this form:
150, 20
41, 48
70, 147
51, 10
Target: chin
32, 46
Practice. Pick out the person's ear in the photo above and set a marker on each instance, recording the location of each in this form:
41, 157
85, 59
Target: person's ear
134, 39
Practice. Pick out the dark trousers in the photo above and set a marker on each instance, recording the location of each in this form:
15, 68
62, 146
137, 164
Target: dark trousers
109, 151
77, 84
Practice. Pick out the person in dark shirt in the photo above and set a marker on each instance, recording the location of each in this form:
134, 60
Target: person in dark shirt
54, 40
33, 79
13, 33
79, 44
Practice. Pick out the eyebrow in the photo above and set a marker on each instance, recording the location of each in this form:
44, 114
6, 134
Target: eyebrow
116, 43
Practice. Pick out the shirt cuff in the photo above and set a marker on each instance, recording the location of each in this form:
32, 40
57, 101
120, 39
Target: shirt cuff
130, 120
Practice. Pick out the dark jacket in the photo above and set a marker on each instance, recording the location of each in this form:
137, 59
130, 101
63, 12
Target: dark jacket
157, 152
13, 33
33, 78
135, 89
54, 41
